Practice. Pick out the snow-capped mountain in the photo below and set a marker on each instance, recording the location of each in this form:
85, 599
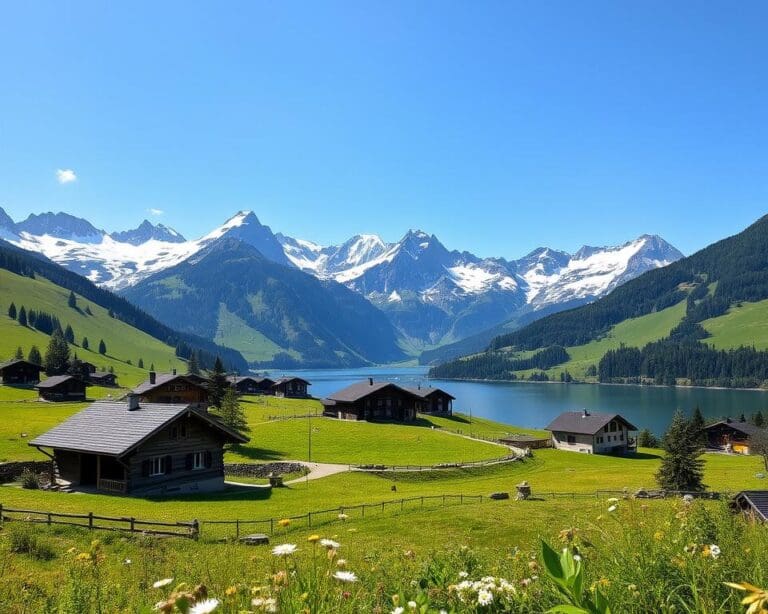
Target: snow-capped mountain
431, 294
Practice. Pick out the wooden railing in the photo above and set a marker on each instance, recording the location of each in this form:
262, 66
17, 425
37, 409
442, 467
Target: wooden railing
118, 486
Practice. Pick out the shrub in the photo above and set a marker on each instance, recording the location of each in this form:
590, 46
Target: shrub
23, 540
29, 480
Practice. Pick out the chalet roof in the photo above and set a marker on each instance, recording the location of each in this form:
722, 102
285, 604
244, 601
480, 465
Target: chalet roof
358, 391
164, 378
113, 430
757, 500
17, 361
746, 428
584, 422
57, 380
283, 380
236, 379
426, 392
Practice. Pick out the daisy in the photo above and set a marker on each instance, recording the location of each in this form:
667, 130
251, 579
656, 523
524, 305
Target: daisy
345, 576
714, 551
329, 543
204, 607
484, 597
284, 549
398, 610
343, 516
162, 583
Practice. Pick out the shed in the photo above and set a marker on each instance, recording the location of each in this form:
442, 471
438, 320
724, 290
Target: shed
19, 372
62, 388
592, 433
753, 503
102, 378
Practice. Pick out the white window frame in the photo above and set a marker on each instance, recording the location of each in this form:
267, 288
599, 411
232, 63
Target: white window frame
157, 466
198, 461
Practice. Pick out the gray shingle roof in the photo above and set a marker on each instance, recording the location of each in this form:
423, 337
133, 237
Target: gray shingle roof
9, 363
425, 392
55, 380
584, 423
757, 500
282, 380
236, 379
110, 429
358, 391
162, 379
747, 428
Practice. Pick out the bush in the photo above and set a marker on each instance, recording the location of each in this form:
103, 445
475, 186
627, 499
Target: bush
23, 540
29, 480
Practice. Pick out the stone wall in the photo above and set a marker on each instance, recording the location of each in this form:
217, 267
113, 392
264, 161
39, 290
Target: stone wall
262, 470
10, 472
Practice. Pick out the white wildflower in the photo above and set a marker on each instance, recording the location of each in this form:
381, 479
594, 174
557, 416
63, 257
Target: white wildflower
577, 557
463, 574
345, 576
484, 597
613, 500
343, 516
398, 610
612, 508
162, 583
284, 549
204, 607
329, 543
412, 605
714, 551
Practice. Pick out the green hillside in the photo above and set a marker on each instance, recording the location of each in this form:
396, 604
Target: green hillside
123, 342
744, 324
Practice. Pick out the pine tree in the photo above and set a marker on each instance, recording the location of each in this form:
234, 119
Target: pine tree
698, 424
72, 300
742, 418
102, 347
217, 383
19, 353
646, 439
193, 367
152, 367
85, 343
34, 356
231, 412
88, 310
69, 334
23, 316
57, 355
12, 311
141, 363
681, 468
758, 419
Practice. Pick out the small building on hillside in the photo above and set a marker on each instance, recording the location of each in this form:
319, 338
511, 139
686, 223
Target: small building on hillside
102, 378
87, 367
433, 400
592, 433
753, 503
62, 388
731, 436
251, 384
142, 449
172, 388
19, 372
291, 387
371, 400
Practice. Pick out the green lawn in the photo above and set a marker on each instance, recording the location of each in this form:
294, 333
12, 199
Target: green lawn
744, 325
123, 341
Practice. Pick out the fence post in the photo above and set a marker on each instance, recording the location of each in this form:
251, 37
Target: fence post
462, 498
309, 519
49, 519
90, 520
271, 526
237, 528
196, 528
382, 506
2, 520
363, 510
422, 502
133, 524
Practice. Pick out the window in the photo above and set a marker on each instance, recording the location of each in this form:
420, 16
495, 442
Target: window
183, 431
179, 387
157, 466
571, 439
174, 433
198, 460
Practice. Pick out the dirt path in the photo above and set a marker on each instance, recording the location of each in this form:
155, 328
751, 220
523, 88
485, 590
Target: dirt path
318, 470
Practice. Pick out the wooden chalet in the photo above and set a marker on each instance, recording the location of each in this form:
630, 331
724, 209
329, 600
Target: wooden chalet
102, 378
371, 400
173, 388
251, 384
87, 367
731, 436
142, 449
291, 387
592, 433
753, 503
62, 388
19, 372
433, 401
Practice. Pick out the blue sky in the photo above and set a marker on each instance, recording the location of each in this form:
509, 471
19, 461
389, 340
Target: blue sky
498, 126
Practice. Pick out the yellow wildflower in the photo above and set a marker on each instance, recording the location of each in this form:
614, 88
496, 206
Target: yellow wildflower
313, 538
757, 598
284, 522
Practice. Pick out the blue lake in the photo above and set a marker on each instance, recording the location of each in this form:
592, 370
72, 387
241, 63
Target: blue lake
533, 405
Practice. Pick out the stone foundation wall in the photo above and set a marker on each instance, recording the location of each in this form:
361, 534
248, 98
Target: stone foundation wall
261, 470
10, 472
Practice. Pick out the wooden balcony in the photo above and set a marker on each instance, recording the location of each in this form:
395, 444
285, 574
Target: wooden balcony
118, 486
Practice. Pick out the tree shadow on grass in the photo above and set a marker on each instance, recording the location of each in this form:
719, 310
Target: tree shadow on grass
230, 493
254, 453
643, 456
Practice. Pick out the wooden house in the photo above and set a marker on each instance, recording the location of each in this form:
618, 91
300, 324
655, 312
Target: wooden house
140, 449
19, 372
753, 503
433, 401
87, 367
592, 433
371, 400
172, 388
102, 378
62, 388
731, 436
291, 387
250, 384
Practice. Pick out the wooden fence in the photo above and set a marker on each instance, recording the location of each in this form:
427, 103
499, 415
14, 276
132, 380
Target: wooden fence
101, 523
458, 465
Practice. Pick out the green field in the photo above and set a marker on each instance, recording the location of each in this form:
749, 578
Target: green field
744, 324
123, 341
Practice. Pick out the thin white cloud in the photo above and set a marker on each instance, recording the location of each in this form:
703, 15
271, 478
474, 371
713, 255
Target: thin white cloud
155, 211
66, 175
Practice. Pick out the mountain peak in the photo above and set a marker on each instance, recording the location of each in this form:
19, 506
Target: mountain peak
62, 226
147, 231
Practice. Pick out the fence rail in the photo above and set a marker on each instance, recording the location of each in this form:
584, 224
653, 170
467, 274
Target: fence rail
91, 521
317, 414
458, 465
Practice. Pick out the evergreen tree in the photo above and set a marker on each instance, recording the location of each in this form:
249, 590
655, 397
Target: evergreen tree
681, 467
193, 367
152, 367
85, 343
141, 363
75, 366
69, 334
32, 318
19, 353
88, 310
217, 383
102, 347
698, 424
758, 419
57, 355
646, 439
72, 300
34, 356
23, 316
12, 311
742, 418
231, 412
111, 369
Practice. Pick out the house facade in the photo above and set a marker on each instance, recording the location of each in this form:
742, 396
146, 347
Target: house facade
291, 387
62, 388
248, 384
141, 449
592, 433
731, 436
19, 372
433, 401
102, 378
172, 388
372, 401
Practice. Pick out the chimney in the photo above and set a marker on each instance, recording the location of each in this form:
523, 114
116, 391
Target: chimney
585, 414
152, 377
133, 401
370, 381
174, 371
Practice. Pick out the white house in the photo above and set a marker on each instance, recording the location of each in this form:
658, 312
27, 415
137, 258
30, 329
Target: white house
592, 433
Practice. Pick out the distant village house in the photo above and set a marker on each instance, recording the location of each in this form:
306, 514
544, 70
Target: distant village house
592, 433
291, 387
731, 436
173, 388
19, 372
62, 388
433, 401
251, 384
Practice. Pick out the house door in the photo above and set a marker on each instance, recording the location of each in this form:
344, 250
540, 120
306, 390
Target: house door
88, 469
